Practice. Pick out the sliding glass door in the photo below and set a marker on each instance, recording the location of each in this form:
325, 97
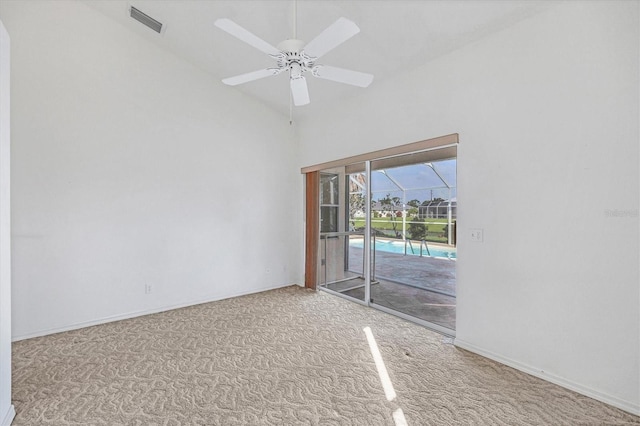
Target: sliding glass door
387, 236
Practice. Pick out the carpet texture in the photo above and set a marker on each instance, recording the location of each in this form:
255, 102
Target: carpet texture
283, 357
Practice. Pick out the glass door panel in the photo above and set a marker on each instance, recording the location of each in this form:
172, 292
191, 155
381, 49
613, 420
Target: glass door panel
413, 221
340, 272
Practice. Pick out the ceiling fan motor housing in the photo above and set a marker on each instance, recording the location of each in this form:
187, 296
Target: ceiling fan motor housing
293, 58
291, 45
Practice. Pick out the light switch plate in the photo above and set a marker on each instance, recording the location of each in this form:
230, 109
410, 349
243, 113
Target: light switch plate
476, 235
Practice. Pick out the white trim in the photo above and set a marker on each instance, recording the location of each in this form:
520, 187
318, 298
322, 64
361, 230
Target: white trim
9, 415
5, 227
135, 314
627, 406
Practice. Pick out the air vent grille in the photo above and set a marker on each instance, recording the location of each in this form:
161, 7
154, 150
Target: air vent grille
146, 19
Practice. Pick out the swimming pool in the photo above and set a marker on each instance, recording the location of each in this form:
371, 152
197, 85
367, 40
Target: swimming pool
398, 247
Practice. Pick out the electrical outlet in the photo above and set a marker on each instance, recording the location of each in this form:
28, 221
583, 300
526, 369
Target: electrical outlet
147, 289
476, 235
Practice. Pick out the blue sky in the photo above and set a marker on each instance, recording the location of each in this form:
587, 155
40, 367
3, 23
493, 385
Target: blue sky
420, 181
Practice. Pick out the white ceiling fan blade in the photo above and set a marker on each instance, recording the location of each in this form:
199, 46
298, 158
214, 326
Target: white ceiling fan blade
341, 75
250, 76
240, 33
299, 91
334, 35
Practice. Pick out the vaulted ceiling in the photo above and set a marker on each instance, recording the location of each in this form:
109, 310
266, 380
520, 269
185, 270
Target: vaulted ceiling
395, 36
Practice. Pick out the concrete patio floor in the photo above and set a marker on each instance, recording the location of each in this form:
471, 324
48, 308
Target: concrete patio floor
422, 287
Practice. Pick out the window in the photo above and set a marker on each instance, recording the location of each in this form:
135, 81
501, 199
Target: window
329, 204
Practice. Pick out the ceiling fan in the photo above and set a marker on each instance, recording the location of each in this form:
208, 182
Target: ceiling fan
297, 57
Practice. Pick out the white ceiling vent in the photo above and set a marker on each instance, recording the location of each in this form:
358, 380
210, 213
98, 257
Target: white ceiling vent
145, 19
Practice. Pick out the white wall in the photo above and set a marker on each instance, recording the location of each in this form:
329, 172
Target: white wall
547, 113
125, 158
6, 409
129, 168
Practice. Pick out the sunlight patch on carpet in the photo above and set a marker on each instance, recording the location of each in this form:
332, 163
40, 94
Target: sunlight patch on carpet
389, 392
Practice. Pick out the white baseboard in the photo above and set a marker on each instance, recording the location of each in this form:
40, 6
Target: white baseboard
9, 415
120, 317
630, 407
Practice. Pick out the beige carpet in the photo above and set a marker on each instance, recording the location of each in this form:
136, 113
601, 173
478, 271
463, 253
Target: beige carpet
284, 357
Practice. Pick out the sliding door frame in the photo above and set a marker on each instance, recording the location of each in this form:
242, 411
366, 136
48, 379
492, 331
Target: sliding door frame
312, 228
312, 205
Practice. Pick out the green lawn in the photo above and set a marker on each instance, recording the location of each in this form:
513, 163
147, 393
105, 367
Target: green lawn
385, 225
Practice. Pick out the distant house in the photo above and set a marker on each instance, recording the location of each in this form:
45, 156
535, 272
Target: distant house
437, 209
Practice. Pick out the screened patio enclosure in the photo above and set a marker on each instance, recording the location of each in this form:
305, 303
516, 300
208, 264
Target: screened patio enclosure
406, 196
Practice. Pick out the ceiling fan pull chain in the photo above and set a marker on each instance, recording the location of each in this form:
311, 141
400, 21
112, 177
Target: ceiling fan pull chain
290, 109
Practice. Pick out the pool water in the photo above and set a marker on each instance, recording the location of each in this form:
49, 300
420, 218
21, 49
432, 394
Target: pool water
398, 247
